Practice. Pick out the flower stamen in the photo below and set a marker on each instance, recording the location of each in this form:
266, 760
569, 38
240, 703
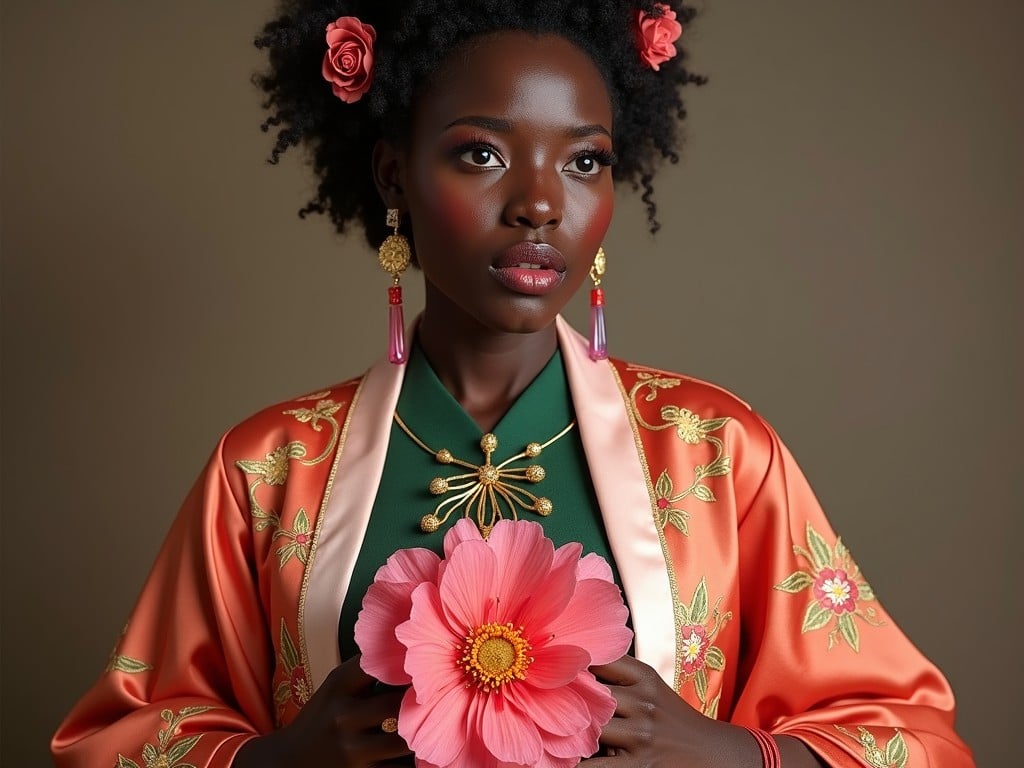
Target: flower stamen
495, 654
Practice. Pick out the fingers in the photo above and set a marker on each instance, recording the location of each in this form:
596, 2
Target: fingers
349, 678
624, 671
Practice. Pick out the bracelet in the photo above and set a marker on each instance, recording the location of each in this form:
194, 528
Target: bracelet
770, 755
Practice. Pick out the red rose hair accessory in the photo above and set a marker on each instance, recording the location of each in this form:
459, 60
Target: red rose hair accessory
348, 63
656, 35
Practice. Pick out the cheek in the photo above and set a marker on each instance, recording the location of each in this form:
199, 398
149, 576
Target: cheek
596, 225
455, 208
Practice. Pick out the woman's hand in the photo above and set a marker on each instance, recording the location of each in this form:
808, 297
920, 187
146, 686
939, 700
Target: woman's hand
339, 727
653, 726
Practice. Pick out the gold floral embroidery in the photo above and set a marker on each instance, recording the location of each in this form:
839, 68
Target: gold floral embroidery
167, 753
274, 469
691, 429
119, 663
835, 590
324, 410
299, 539
696, 637
895, 754
295, 687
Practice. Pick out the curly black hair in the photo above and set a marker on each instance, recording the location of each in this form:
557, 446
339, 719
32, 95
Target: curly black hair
413, 38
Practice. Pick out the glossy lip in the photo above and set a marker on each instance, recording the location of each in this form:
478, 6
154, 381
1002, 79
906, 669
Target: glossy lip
538, 280
544, 255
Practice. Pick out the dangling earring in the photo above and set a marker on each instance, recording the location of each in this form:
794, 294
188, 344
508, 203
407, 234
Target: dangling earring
598, 338
394, 256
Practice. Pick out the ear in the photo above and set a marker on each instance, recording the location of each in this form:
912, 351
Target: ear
388, 173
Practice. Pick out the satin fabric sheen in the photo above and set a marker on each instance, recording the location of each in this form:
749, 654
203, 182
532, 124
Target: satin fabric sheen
233, 630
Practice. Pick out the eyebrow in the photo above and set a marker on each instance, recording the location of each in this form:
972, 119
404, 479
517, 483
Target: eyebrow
500, 125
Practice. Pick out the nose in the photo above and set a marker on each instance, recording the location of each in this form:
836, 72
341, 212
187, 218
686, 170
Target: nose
535, 199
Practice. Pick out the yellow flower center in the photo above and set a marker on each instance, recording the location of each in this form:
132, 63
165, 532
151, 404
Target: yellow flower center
495, 654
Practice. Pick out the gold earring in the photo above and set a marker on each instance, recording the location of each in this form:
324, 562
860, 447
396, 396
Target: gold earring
395, 255
598, 336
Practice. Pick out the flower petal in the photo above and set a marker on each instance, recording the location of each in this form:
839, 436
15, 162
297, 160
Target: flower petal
463, 530
593, 566
412, 566
524, 557
467, 585
432, 657
437, 731
594, 619
600, 704
555, 665
509, 734
547, 603
560, 711
385, 606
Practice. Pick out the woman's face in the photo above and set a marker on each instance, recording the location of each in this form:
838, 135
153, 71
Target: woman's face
506, 180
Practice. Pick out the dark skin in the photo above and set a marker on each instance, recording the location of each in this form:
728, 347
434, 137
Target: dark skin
510, 150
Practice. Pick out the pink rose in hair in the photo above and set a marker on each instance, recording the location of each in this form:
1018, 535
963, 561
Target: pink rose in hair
656, 35
348, 63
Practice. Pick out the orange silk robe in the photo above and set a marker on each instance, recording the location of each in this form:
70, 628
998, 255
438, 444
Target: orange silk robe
741, 596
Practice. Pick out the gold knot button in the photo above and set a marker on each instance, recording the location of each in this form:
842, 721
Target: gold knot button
488, 474
543, 506
444, 456
429, 523
533, 450
489, 443
389, 725
438, 486
535, 473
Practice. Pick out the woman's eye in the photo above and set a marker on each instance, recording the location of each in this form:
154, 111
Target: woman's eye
585, 164
481, 157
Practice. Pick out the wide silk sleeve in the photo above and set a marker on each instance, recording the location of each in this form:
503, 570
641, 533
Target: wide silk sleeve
189, 680
822, 660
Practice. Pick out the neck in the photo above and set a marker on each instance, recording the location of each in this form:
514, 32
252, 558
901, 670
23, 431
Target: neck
484, 370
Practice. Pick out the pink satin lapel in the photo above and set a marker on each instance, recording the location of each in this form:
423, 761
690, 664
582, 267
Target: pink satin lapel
347, 512
617, 471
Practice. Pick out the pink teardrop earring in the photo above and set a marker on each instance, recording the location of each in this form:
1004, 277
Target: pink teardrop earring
598, 337
394, 255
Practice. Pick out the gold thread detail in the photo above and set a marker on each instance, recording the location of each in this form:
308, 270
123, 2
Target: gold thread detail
672, 582
389, 725
321, 516
895, 754
487, 487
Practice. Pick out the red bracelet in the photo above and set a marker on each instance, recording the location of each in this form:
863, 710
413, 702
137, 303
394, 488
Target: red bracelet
770, 756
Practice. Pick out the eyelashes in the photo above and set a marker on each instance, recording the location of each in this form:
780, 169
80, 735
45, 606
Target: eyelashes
479, 153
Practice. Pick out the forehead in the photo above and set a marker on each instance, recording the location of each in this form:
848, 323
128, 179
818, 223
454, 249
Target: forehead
519, 76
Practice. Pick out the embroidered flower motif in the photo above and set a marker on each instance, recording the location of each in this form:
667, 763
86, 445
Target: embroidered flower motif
495, 642
168, 752
834, 590
273, 470
696, 653
837, 590
300, 540
348, 63
695, 647
294, 688
656, 35
895, 754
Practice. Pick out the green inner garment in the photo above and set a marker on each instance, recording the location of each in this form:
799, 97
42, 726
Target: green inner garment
437, 419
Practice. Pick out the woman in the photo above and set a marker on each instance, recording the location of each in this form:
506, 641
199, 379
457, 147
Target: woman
487, 138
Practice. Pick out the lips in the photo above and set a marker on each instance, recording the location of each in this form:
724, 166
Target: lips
528, 268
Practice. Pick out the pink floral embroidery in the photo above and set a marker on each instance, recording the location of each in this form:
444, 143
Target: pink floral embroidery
656, 35
695, 647
834, 590
348, 63
838, 591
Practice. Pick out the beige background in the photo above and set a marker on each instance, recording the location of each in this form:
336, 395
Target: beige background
842, 246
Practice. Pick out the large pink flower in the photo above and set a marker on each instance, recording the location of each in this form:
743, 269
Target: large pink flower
495, 642
656, 35
348, 63
834, 590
